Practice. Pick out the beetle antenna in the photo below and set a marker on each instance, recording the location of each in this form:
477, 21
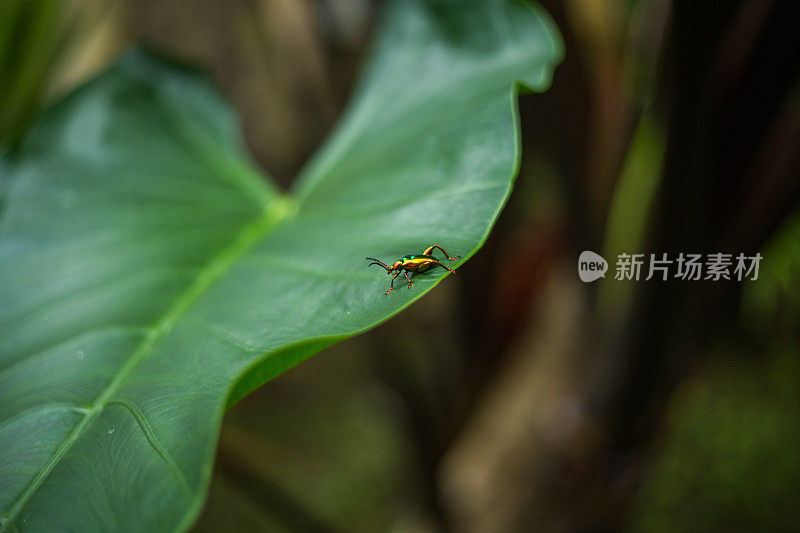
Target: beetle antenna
377, 262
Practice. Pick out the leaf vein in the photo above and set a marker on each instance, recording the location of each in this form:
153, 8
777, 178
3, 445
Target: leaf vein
251, 233
150, 435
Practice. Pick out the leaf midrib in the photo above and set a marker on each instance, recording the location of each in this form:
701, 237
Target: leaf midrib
277, 210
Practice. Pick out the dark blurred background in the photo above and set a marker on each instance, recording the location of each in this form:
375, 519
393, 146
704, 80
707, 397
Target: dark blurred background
514, 397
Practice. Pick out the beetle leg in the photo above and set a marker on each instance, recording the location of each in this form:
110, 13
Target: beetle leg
430, 249
391, 285
410, 283
435, 264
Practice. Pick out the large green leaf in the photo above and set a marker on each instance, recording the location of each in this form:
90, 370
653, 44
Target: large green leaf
149, 275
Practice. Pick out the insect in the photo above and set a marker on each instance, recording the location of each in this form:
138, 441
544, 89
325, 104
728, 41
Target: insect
412, 263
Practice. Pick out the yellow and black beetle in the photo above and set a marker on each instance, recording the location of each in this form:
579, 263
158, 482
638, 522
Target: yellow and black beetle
412, 263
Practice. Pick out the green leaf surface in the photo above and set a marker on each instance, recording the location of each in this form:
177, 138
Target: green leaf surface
150, 276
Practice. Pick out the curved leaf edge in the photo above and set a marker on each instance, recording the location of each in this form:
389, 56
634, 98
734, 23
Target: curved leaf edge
270, 365
273, 363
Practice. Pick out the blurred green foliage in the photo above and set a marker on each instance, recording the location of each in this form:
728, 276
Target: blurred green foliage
347, 465
772, 304
32, 35
728, 458
630, 210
